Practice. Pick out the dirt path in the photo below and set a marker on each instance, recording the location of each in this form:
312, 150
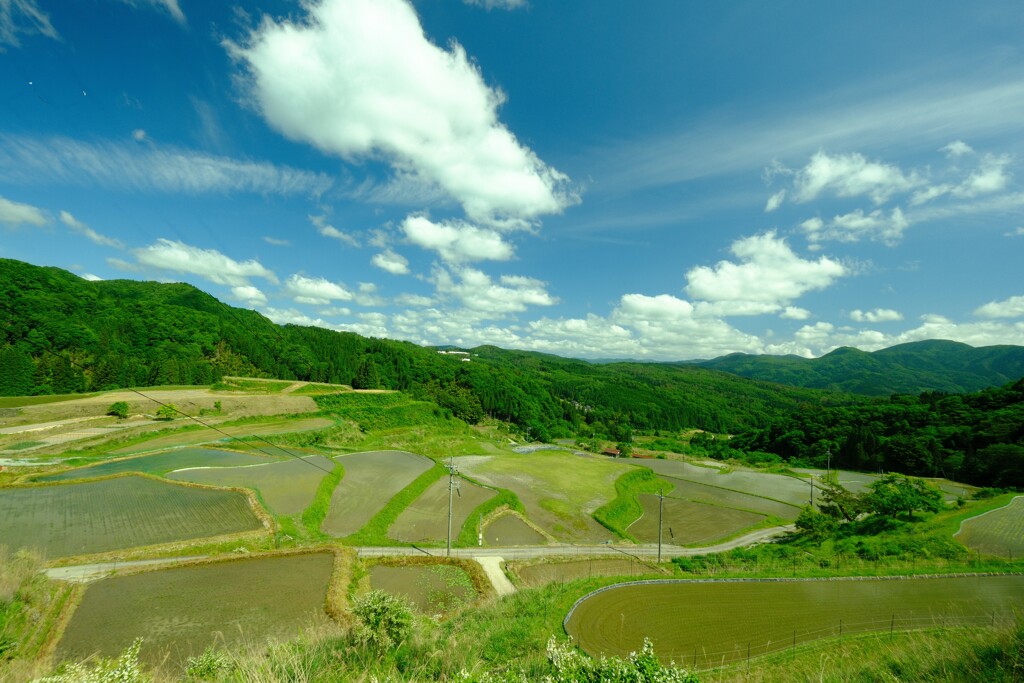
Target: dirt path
492, 567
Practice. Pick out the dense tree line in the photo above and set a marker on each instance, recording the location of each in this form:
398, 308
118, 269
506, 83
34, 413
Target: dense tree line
977, 438
63, 334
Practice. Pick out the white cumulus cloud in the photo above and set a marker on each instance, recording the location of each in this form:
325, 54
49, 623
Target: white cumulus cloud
850, 175
457, 241
775, 201
392, 262
768, 277
359, 79
1007, 308
209, 264
879, 315
316, 291
857, 225
477, 292
249, 295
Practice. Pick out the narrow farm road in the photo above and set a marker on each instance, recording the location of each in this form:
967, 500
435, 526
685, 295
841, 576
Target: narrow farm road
492, 567
646, 551
84, 573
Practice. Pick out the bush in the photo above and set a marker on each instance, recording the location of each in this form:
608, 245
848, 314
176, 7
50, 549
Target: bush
167, 412
384, 620
119, 410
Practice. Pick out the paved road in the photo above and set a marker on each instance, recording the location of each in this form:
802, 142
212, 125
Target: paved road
489, 558
646, 551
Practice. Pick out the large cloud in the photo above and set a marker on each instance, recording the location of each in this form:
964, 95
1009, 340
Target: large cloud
456, 241
209, 264
849, 175
1007, 308
769, 277
359, 78
315, 290
477, 292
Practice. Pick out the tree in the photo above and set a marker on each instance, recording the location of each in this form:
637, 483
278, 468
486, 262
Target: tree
167, 412
120, 410
815, 525
838, 502
367, 376
895, 493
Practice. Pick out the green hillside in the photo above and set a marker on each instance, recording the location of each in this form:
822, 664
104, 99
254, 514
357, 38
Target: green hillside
934, 365
64, 334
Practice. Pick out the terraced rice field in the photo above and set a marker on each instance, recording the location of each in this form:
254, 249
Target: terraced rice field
710, 623
686, 523
712, 495
774, 486
559, 490
63, 520
433, 589
999, 533
510, 530
559, 572
208, 436
370, 480
162, 463
426, 518
287, 487
182, 610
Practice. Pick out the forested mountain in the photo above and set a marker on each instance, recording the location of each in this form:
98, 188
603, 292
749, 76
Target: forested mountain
63, 334
933, 365
977, 438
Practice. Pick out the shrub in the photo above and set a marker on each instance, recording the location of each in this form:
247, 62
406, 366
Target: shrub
167, 412
119, 410
384, 620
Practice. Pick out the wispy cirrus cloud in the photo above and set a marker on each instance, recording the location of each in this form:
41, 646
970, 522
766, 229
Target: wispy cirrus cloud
83, 229
923, 112
124, 166
171, 7
23, 18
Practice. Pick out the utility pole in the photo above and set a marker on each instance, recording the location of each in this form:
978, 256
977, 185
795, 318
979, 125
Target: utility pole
828, 466
661, 507
451, 491
812, 489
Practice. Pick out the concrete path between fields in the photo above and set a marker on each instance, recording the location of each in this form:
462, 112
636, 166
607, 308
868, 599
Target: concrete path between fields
492, 567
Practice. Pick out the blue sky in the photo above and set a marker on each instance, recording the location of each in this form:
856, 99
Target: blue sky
659, 180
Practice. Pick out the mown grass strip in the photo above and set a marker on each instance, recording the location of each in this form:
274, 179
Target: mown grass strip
314, 515
375, 532
625, 508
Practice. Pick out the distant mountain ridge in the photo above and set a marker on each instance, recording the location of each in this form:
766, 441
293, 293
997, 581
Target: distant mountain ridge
912, 368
